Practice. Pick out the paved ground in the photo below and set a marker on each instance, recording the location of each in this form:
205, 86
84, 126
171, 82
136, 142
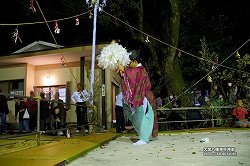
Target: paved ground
53, 150
173, 149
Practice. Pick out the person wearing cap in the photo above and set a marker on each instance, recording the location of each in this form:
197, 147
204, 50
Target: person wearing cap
240, 115
139, 99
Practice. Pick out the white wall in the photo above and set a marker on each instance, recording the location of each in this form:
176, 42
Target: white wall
57, 75
29, 81
48, 77
13, 73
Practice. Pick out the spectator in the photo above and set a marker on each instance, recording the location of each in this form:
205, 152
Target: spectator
4, 110
21, 109
44, 112
32, 107
158, 102
202, 99
214, 93
57, 114
120, 120
240, 115
80, 98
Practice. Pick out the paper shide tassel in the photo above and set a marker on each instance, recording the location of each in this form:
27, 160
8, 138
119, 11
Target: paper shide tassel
147, 40
101, 5
209, 79
56, 29
77, 21
90, 15
16, 36
32, 7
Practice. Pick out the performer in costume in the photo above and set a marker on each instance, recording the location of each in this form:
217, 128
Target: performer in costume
139, 99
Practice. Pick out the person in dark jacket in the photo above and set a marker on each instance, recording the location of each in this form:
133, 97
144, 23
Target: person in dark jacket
57, 113
21, 109
4, 110
32, 107
44, 112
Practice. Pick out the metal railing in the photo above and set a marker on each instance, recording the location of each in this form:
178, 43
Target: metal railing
187, 110
38, 133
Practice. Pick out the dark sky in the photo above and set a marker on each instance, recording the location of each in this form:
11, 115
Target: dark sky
234, 14
19, 12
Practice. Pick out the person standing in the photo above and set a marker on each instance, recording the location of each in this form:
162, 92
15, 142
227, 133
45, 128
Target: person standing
80, 98
119, 114
57, 113
139, 99
21, 108
4, 110
31, 104
44, 112
240, 115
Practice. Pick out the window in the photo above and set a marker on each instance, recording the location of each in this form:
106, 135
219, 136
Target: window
15, 87
51, 90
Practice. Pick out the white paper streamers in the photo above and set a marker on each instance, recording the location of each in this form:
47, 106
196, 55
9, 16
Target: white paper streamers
32, 7
16, 36
101, 3
56, 28
111, 55
77, 21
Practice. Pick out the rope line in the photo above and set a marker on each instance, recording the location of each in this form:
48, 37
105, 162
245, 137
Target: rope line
42, 22
209, 72
117, 19
58, 47
217, 65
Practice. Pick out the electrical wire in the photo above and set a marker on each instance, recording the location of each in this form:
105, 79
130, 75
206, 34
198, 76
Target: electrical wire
66, 63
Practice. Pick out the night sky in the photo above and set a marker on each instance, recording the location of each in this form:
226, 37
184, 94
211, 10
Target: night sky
234, 14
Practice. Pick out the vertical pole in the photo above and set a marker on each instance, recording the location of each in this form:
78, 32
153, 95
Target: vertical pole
93, 52
82, 60
104, 111
38, 123
212, 117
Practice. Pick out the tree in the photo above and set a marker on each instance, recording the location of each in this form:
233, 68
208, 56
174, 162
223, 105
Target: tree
169, 24
161, 20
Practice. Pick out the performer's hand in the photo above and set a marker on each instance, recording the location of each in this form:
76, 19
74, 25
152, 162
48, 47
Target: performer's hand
120, 67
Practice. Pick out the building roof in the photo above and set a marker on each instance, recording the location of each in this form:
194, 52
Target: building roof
37, 46
44, 53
